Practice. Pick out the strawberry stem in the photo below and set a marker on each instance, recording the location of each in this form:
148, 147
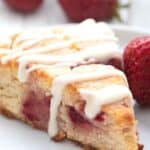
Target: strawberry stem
119, 6
124, 6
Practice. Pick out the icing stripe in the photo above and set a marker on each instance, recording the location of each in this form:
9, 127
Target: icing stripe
96, 99
102, 53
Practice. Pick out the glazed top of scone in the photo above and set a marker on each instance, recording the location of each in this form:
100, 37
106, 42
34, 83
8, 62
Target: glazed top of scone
70, 46
67, 45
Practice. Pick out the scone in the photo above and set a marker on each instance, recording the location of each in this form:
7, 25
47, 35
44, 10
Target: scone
54, 79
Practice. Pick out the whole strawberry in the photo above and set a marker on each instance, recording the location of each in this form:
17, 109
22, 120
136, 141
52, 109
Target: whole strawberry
137, 68
78, 10
24, 6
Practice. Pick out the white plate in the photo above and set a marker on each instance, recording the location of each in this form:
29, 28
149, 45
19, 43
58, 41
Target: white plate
15, 135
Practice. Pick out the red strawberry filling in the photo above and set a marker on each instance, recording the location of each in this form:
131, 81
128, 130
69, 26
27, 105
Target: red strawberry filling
76, 117
115, 62
36, 109
81, 120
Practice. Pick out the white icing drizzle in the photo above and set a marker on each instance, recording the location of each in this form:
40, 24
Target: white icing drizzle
102, 52
87, 32
41, 59
96, 99
32, 34
89, 28
5, 51
29, 43
51, 47
48, 59
24, 73
35, 67
61, 82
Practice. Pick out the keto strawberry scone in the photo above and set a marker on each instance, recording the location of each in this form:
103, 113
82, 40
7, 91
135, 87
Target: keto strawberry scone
62, 80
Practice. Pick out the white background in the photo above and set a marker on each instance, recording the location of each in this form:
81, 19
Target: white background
51, 13
18, 136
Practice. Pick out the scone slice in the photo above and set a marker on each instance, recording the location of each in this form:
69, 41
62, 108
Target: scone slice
95, 109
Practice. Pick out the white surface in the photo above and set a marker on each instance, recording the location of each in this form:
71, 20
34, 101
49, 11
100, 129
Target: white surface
140, 13
51, 13
15, 135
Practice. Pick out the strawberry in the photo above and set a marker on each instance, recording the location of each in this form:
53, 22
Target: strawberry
137, 68
78, 10
23, 5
